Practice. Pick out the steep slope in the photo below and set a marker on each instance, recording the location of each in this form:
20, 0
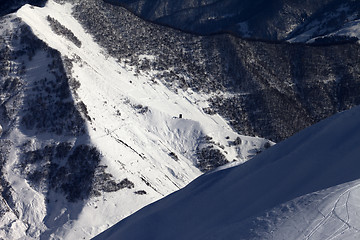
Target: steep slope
267, 20
86, 139
340, 20
91, 100
272, 90
307, 187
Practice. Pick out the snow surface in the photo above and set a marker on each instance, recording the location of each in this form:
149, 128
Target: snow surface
134, 144
350, 28
307, 187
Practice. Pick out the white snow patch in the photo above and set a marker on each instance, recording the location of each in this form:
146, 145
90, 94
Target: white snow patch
135, 125
306, 187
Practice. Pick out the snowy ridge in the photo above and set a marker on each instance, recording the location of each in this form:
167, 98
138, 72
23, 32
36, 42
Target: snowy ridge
299, 21
345, 17
130, 120
307, 187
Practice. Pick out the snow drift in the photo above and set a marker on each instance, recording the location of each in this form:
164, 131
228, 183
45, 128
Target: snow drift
306, 187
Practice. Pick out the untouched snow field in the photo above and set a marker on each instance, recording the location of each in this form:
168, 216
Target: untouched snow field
134, 124
307, 187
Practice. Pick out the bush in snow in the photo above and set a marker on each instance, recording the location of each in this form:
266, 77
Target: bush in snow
210, 158
60, 29
73, 170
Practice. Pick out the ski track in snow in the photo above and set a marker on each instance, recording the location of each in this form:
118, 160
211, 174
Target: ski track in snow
340, 207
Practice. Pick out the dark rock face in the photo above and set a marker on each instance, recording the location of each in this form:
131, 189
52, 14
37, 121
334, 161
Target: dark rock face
276, 89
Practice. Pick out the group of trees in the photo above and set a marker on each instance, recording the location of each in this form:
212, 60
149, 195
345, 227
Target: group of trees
72, 170
60, 29
48, 105
276, 90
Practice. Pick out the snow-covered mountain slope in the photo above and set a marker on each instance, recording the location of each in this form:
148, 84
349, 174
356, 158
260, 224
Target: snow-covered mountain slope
260, 19
336, 23
91, 98
307, 187
263, 89
87, 140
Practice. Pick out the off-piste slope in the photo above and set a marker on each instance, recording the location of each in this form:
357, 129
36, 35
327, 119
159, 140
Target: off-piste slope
86, 139
262, 88
307, 187
96, 131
